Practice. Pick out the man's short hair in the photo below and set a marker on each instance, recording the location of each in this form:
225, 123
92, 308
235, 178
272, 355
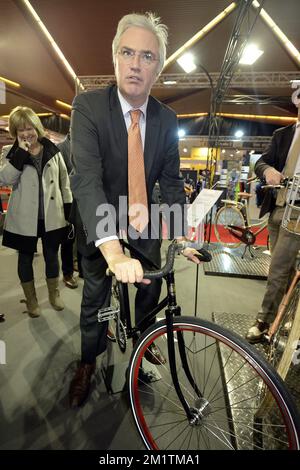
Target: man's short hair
147, 21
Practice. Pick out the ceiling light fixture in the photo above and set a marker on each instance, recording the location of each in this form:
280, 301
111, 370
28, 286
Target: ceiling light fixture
181, 133
289, 119
186, 62
65, 116
191, 115
206, 29
170, 82
289, 46
51, 41
238, 134
259, 116
250, 55
10, 82
62, 103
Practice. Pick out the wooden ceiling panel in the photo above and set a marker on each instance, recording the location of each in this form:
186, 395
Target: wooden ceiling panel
84, 31
24, 57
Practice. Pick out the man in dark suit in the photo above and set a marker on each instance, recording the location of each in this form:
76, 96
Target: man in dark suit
282, 159
101, 121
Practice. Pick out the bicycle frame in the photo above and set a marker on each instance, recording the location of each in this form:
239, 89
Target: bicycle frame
172, 310
245, 234
244, 208
282, 306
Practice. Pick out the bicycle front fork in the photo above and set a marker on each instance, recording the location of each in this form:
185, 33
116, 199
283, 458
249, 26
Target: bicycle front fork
190, 413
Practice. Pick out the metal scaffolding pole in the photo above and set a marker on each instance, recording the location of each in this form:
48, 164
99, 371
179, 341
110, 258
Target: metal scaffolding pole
240, 34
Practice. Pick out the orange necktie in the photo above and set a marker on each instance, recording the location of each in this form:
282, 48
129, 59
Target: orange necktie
137, 192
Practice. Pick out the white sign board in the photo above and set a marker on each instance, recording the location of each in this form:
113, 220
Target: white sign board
202, 205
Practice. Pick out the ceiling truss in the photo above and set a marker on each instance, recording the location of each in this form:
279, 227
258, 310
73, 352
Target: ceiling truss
200, 80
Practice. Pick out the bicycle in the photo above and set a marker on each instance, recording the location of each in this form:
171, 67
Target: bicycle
196, 401
233, 226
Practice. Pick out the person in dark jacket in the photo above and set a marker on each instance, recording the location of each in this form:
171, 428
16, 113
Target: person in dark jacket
282, 159
66, 249
38, 205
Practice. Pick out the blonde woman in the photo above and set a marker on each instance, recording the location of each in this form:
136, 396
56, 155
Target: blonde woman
39, 202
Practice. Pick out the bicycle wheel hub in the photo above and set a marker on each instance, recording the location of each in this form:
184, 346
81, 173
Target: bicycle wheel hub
280, 343
201, 410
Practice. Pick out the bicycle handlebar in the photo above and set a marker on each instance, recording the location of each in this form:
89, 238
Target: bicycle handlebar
173, 249
282, 185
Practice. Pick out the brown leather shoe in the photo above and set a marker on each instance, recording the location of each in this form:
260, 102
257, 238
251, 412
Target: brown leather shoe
70, 281
257, 332
154, 355
110, 335
80, 385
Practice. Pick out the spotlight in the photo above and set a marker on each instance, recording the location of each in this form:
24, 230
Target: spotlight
239, 134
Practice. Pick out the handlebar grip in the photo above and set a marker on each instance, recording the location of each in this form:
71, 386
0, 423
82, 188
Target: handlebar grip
204, 255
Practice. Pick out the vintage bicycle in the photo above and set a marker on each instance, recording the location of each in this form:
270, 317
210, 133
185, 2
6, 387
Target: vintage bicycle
233, 225
207, 393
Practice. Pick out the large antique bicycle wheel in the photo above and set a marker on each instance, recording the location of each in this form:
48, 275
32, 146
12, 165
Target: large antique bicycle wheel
222, 390
225, 217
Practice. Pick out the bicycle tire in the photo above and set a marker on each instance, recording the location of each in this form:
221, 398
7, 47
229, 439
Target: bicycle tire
228, 215
159, 415
282, 348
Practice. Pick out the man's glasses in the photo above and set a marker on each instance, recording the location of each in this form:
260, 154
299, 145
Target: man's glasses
147, 58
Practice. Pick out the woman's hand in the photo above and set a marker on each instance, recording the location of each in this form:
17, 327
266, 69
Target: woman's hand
24, 144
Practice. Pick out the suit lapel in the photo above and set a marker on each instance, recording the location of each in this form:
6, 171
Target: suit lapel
288, 137
118, 125
152, 134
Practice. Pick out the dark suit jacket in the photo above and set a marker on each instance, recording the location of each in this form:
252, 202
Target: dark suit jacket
64, 148
99, 154
275, 156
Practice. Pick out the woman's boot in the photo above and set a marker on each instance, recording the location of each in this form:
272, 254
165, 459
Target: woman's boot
32, 305
54, 297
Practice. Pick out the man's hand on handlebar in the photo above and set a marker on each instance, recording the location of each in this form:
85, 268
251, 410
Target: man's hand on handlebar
127, 269
272, 176
189, 253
